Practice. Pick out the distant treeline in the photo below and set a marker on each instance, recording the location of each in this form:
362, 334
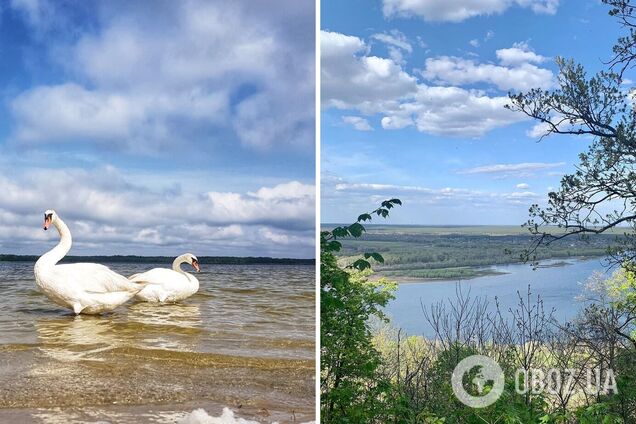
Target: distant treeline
437, 253
220, 260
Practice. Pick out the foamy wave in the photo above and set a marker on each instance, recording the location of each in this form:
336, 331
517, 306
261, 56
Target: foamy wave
199, 416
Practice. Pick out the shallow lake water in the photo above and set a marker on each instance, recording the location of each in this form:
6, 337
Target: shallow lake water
558, 287
245, 341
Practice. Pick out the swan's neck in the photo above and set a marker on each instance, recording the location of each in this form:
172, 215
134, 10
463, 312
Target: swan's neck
176, 265
54, 255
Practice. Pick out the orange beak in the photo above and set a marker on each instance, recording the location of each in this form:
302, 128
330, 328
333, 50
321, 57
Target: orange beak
47, 223
195, 265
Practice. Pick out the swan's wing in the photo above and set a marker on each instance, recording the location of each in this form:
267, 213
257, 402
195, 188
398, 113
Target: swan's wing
164, 277
165, 284
95, 278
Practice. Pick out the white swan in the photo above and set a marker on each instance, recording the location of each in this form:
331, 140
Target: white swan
168, 285
85, 288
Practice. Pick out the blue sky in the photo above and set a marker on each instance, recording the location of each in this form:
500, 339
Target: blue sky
158, 127
412, 104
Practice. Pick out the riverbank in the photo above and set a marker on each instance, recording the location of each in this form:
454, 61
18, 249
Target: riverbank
468, 273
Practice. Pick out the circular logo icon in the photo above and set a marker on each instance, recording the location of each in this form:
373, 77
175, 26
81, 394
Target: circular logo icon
487, 374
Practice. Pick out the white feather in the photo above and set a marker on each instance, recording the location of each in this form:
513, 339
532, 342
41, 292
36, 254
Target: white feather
167, 285
86, 287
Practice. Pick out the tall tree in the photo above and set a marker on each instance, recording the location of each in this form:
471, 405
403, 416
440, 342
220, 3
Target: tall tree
601, 193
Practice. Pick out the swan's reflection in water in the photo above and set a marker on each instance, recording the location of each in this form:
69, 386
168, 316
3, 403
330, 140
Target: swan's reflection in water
175, 327
71, 338
143, 326
186, 316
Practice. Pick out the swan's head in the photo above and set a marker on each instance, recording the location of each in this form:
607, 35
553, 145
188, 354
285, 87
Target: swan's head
49, 218
192, 260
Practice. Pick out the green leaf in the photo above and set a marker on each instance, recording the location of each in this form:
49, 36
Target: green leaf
340, 232
356, 229
377, 257
364, 217
334, 246
361, 265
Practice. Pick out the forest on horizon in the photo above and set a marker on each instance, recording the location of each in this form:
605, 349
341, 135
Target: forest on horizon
212, 260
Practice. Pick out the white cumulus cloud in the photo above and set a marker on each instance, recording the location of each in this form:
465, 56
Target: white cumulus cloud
451, 111
351, 78
189, 69
459, 71
109, 214
519, 53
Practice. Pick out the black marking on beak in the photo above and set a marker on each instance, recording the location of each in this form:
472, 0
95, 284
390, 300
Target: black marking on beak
48, 218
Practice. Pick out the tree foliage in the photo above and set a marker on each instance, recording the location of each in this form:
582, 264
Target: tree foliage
352, 391
601, 193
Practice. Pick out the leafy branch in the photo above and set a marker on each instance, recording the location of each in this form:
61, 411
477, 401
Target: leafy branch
329, 239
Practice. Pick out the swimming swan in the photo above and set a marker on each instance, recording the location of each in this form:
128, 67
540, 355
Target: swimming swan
85, 288
168, 285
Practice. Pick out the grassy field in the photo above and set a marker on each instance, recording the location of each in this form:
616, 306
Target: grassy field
442, 252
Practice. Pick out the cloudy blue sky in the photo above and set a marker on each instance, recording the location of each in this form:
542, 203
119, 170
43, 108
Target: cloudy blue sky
156, 127
412, 104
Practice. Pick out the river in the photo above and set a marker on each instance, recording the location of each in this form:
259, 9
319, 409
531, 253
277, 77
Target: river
558, 287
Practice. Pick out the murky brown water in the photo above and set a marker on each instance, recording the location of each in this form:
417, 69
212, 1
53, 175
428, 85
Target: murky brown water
245, 341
